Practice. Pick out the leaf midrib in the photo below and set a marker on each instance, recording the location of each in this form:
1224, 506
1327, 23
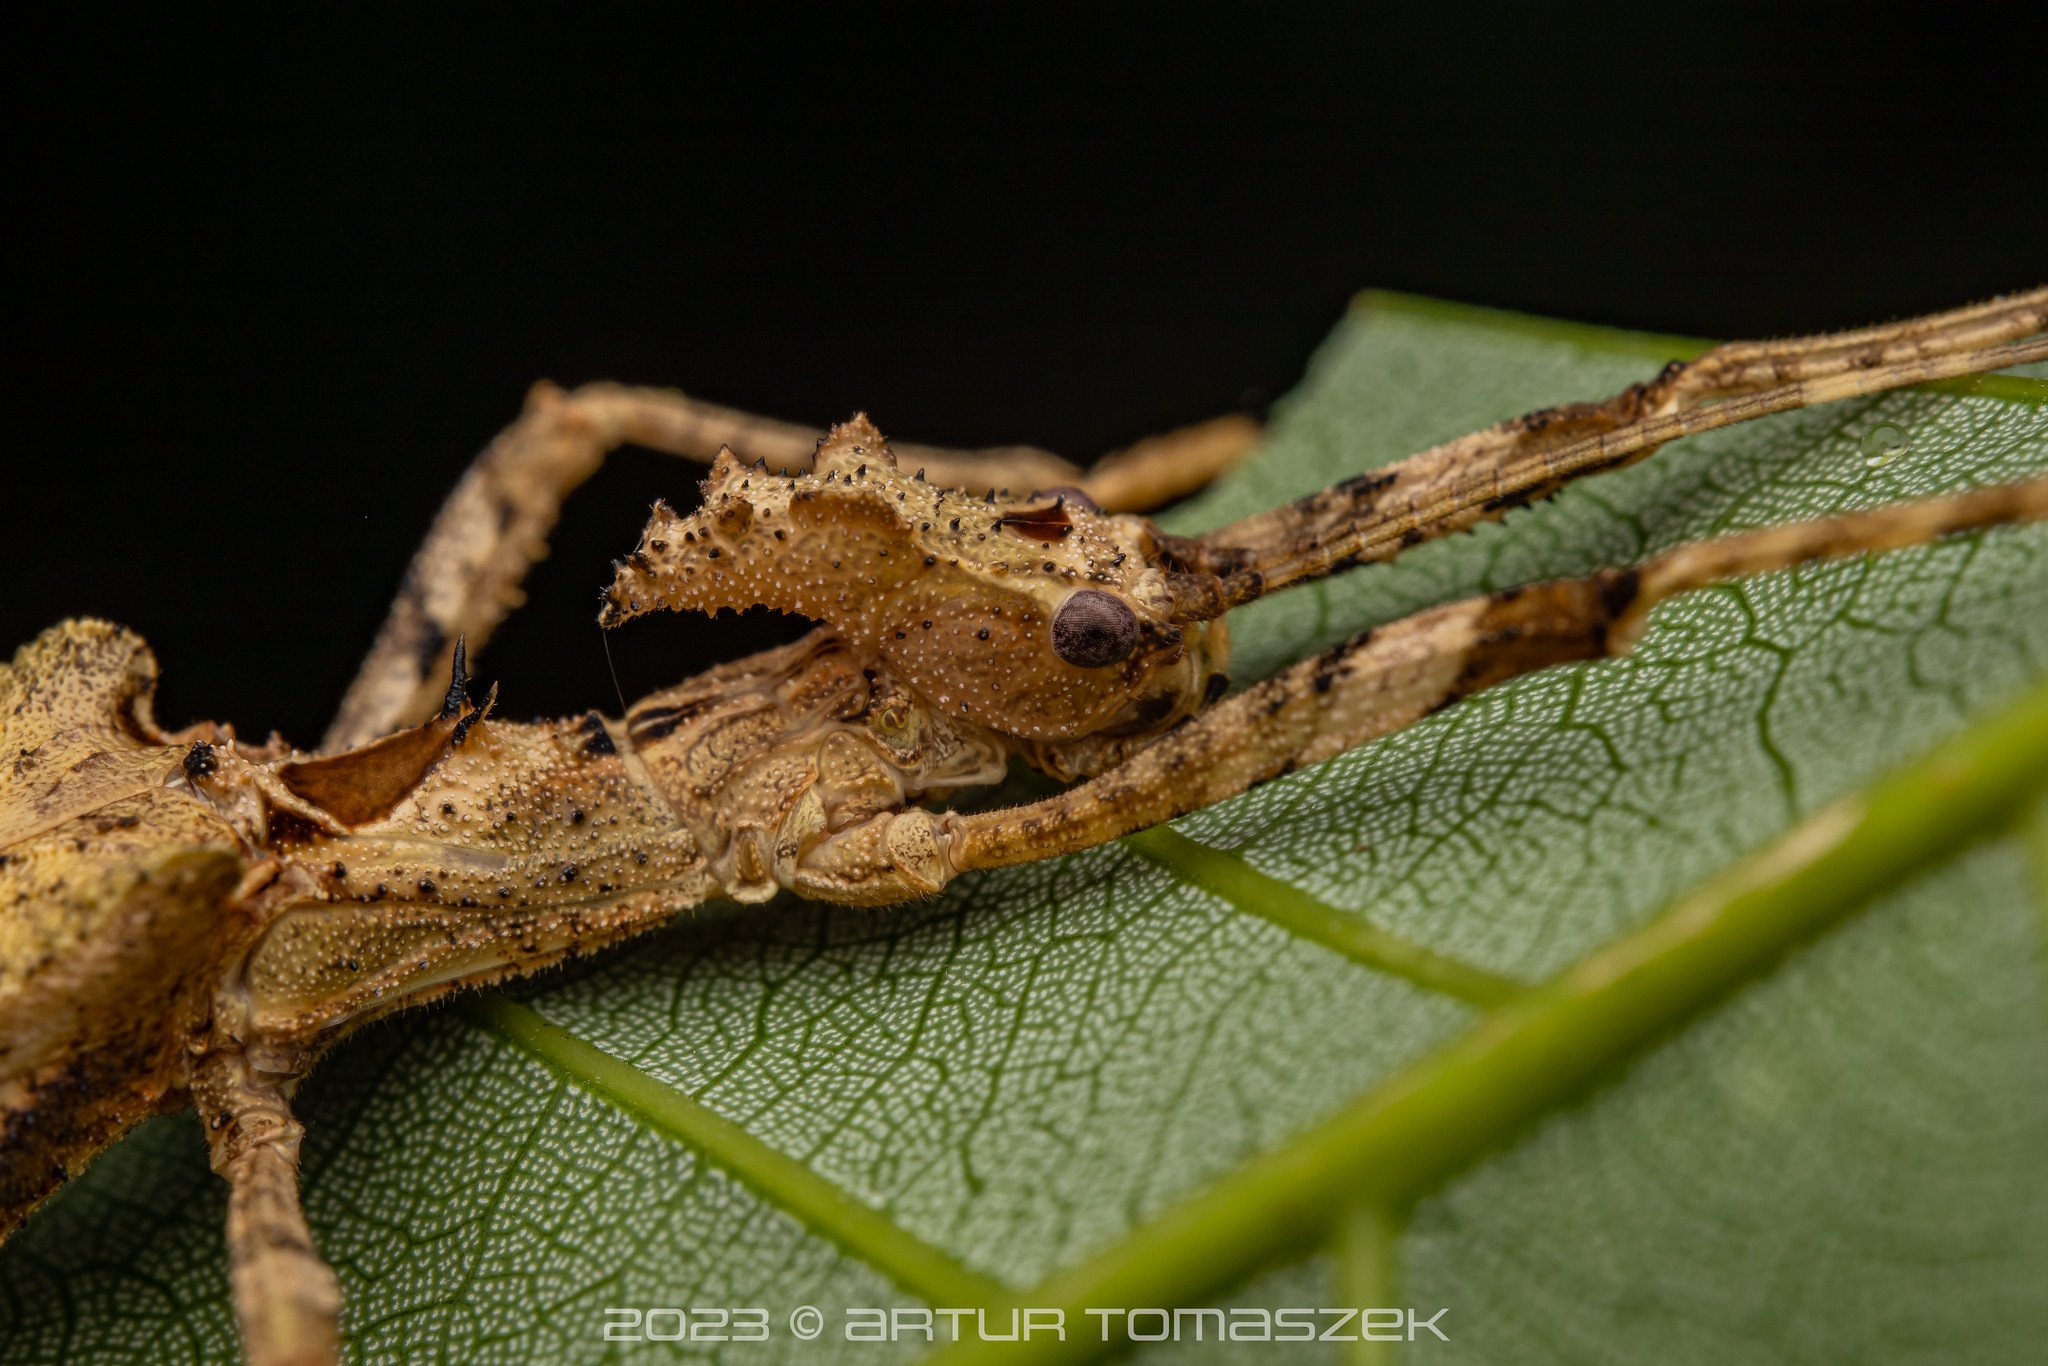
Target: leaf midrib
1541, 1050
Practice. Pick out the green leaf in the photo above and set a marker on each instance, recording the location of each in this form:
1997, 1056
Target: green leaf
1781, 1100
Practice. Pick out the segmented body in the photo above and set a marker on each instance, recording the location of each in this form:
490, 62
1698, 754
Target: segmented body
176, 895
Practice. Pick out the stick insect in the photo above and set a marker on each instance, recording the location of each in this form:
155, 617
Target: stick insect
187, 917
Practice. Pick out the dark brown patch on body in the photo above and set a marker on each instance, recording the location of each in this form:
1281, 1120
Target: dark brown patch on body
596, 739
362, 784
1048, 524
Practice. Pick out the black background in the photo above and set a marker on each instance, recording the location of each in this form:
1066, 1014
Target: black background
270, 288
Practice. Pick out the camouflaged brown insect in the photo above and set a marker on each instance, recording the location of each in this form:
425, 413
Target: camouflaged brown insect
187, 918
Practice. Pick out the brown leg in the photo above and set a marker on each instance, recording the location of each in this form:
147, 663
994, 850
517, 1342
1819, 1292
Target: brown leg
1478, 477
1170, 465
287, 1302
1384, 680
465, 577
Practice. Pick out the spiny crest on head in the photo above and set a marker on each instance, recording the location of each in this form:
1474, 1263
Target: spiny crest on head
1039, 614
846, 448
772, 538
851, 448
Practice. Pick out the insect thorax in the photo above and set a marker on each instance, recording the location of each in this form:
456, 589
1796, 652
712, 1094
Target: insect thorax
767, 759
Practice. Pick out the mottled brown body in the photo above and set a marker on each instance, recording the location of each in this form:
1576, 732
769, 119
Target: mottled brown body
110, 884
207, 885
184, 916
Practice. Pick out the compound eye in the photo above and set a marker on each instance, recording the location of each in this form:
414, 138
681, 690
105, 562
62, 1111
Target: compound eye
1094, 629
